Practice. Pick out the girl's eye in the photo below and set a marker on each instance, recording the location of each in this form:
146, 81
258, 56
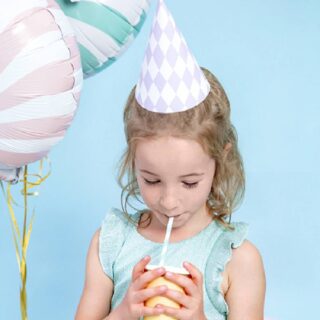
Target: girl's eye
152, 182
186, 184
190, 185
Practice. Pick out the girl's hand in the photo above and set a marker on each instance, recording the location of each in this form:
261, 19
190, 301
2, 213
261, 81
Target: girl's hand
132, 307
192, 300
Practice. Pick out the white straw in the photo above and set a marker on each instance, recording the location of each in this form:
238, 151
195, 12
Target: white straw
166, 241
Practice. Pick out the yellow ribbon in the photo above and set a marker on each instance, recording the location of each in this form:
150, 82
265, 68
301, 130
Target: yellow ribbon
23, 241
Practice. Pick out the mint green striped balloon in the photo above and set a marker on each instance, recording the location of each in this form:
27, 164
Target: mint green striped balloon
104, 28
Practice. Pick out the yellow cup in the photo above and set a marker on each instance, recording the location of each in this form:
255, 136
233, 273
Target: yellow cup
152, 302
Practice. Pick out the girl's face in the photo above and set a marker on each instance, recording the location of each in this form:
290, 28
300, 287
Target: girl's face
175, 177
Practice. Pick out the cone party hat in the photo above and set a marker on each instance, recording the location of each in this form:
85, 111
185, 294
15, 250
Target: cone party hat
171, 79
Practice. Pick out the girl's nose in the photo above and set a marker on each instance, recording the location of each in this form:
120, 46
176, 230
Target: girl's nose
168, 202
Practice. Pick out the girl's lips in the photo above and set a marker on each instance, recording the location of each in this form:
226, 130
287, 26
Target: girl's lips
177, 216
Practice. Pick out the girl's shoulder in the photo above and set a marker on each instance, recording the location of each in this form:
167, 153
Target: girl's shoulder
235, 273
245, 271
238, 250
227, 240
234, 251
114, 216
112, 234
116, 220
244, 257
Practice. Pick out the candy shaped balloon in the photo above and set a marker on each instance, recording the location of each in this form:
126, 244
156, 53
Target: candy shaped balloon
104, 28
40, 81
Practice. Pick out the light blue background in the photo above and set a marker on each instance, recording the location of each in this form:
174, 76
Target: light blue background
266, 54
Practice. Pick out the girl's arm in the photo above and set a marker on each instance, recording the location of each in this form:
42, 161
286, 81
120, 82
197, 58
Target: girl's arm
247, 284
98, 287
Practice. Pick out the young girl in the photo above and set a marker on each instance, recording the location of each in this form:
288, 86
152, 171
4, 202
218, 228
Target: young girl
181, 164
185, 165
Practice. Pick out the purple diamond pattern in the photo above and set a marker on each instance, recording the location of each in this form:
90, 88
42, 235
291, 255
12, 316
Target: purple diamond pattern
170, 80
160, 81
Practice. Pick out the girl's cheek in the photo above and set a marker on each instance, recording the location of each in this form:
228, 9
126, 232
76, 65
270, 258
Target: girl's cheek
148, 195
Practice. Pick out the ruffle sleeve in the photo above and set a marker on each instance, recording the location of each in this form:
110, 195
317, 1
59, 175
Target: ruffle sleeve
219, 257
111, 239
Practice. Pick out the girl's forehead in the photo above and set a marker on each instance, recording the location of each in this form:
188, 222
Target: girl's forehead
170, 152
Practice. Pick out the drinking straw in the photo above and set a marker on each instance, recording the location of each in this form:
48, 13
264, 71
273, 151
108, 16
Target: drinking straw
166, 241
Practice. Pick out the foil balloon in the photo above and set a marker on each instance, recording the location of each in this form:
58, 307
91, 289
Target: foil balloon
40, 81
104, 28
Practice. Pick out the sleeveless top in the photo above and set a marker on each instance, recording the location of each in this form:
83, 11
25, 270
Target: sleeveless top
121, 246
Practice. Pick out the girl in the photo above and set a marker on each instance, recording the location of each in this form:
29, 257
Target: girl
183, 161
184, 165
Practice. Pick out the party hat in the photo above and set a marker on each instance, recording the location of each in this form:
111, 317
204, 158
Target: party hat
171, 79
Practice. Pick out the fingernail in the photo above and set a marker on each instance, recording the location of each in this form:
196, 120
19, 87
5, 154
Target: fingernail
169, 274
146, 258
160, 270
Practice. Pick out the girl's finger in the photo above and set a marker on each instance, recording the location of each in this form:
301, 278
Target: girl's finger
138, 269
195, 273
145, 294
174, 312
147, 311
183, 281
147, 277
179, 297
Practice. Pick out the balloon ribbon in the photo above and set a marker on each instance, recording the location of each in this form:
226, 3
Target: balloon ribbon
23, 242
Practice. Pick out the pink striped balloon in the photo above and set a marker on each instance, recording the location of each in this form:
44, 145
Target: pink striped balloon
40, 81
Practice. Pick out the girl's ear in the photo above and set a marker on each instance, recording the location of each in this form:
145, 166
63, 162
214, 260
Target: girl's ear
226, 150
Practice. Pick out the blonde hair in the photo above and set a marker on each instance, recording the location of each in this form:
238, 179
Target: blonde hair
207, 123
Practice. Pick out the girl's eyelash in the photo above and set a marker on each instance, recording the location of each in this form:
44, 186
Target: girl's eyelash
187, 184
151, 182
190, 185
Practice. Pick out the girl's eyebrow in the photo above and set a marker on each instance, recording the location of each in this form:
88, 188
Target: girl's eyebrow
183, 176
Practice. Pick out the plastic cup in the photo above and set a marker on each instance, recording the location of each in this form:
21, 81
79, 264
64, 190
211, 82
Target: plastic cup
152, 302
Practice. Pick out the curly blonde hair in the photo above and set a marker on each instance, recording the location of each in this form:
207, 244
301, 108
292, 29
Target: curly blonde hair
207, 123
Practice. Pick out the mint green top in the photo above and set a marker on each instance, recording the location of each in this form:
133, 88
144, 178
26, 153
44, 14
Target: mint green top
121, 247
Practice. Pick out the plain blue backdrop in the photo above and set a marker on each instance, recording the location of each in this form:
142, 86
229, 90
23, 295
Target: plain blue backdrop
266, 55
